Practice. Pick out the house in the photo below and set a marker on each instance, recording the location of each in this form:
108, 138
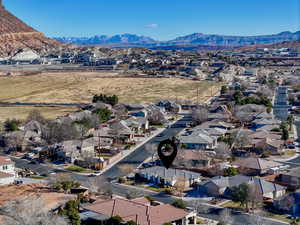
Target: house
270, 145
7, 170
261, 123
162, 176
25, 56
197, 139
121, 131
21, 140
217, 124
137, 210
255, 166
66, 151
221, 186
192, 159
137, 124
289, 203
250, 72
169, 106
33, 126
290, 178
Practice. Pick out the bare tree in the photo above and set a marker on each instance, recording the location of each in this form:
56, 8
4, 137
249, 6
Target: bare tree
120, 110
55, 132
265, 92
225, 217
255, 197
180, 185
241, 139
156, 117
30, 211
126, 168
200, 206
223, 151
100, 186
37, 116
200, 115
151, 148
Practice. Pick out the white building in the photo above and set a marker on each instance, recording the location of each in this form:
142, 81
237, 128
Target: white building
7, 170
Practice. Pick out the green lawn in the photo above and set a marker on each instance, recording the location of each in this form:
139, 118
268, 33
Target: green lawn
290, 152
279, 217
78, 169
36, 177
232, 205
157, 189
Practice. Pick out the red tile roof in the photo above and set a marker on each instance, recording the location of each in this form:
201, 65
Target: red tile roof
138, 212
5, 161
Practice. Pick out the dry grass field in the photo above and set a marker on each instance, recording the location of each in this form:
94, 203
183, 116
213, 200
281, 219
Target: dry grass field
75, 88
58, 88
21, 112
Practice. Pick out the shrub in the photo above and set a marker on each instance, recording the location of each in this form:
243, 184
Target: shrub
11, 125
112, 100
179, 204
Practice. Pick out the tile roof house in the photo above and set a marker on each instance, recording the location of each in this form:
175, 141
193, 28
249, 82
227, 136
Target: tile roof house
255, 166
7, 170
192, 159
161, 175
221, 186
139, 212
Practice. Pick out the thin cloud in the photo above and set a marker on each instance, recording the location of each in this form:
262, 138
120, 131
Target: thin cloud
152, 25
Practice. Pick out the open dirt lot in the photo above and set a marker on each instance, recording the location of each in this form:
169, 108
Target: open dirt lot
62, 88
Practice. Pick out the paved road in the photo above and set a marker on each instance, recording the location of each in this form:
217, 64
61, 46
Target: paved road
134, 159
212, 212
141, 154
281, 103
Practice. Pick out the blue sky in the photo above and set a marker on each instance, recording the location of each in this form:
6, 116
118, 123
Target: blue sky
160, 19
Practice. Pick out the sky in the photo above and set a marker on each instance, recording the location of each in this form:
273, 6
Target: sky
160, 19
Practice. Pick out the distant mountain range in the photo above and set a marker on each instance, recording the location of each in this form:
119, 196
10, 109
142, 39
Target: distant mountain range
105, 39
132, 40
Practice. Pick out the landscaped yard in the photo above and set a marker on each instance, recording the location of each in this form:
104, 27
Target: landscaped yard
78, 169
232, 205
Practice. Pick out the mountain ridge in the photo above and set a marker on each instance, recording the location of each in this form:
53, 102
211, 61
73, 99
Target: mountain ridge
191, 39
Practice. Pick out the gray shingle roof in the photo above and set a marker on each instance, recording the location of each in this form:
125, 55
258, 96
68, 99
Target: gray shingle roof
264, 186
169, 173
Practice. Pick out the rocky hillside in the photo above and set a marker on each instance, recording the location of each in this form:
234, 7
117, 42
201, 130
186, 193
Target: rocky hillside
16, 35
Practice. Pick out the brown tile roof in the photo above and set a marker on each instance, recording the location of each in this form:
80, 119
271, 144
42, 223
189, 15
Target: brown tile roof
256, 163
5, 175
138, 212
193, 155
5, 161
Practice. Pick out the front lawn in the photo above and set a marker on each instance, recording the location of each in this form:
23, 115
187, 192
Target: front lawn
78, 169
232, 205
282, 217
36, 177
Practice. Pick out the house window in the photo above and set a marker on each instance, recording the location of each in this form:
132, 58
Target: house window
5, 167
